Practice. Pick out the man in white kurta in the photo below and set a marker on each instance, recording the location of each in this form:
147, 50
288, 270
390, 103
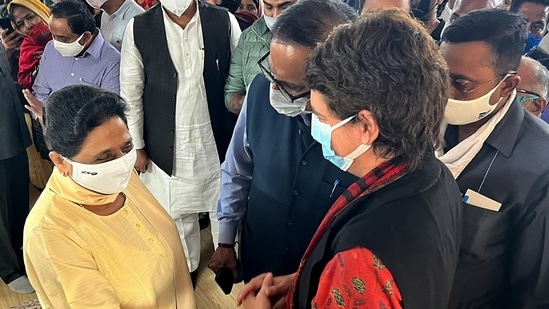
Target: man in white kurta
194, 184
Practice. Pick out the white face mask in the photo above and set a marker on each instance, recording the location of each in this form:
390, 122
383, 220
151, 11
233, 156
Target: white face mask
69, 49
106, 178
460, 112
96, 4
270, 21
178, 7
284, 107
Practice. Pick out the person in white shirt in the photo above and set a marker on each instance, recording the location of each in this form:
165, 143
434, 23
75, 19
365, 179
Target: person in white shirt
115, 18
175, 62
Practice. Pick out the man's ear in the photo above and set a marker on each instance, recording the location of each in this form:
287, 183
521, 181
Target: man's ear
368, 126
509, 84
62, 165
538, 106
86, 39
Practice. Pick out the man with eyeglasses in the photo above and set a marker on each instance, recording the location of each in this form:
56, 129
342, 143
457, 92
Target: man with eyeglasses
533, 88
275, 181
498, 154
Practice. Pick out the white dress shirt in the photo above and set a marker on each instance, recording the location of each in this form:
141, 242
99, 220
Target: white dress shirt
113, 26
195, 181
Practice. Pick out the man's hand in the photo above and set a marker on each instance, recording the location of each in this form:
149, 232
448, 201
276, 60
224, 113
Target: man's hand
36, 107
276, 290
142, 162
236, 102
10, 41
224, 257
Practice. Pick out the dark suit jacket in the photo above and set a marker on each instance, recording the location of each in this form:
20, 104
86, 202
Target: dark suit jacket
504, 258
14, 135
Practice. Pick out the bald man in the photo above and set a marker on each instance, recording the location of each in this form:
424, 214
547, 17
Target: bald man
384, 4
534, 85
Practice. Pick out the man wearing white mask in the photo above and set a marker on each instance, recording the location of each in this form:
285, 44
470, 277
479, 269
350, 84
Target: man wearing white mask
462, 7
498, 153
78, 54
275, 181
175, 61
115, 18
253, 44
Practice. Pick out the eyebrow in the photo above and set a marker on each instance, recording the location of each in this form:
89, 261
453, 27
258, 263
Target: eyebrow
108, 151
280, 5
461, 76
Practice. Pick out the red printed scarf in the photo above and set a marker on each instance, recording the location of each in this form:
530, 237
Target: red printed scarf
376, 179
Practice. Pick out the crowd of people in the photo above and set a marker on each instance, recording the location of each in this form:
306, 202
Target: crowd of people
348, 153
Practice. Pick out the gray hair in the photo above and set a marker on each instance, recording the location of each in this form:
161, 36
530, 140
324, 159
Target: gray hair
540, 82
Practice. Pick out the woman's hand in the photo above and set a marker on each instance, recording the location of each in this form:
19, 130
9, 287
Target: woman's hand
260, 300
274, 288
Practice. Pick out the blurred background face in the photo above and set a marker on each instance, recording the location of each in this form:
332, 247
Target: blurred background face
536, 17
273, 8
24, 19
248, 6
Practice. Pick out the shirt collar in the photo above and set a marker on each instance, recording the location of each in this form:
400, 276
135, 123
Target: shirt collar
505, 134
122, 10
95, 47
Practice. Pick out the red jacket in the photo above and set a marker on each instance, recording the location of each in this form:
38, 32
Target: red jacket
30, 58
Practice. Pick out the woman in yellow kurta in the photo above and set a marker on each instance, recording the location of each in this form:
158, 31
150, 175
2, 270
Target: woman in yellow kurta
96, 237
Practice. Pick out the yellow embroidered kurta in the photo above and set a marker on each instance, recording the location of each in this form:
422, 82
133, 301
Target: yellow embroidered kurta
130, 259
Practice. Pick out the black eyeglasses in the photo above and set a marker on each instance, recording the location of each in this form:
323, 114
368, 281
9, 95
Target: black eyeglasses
270, 78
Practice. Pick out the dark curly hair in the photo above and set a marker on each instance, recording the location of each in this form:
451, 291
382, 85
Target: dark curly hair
388, 64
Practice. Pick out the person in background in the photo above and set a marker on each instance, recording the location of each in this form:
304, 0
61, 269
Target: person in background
30, 18
275, 181
115, 17
247, 13
96, 237
446, 13
250, 6
14, 180
497, 151
533, 89
426, 12
253, 44
78, 54
175, 61
392, 239
385, 4
462, 7
536, 13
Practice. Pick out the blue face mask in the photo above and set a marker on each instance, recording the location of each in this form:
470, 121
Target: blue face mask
322, 133
531, 42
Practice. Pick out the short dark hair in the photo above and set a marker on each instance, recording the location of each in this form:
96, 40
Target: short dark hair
388, 64
516, 4
77, 15
309, 22
505, 33
71, 113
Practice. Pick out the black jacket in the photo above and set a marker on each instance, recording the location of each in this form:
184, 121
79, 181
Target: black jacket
14, 134
412, 225
504, 259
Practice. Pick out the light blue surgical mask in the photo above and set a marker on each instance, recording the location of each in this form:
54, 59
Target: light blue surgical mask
322, 133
